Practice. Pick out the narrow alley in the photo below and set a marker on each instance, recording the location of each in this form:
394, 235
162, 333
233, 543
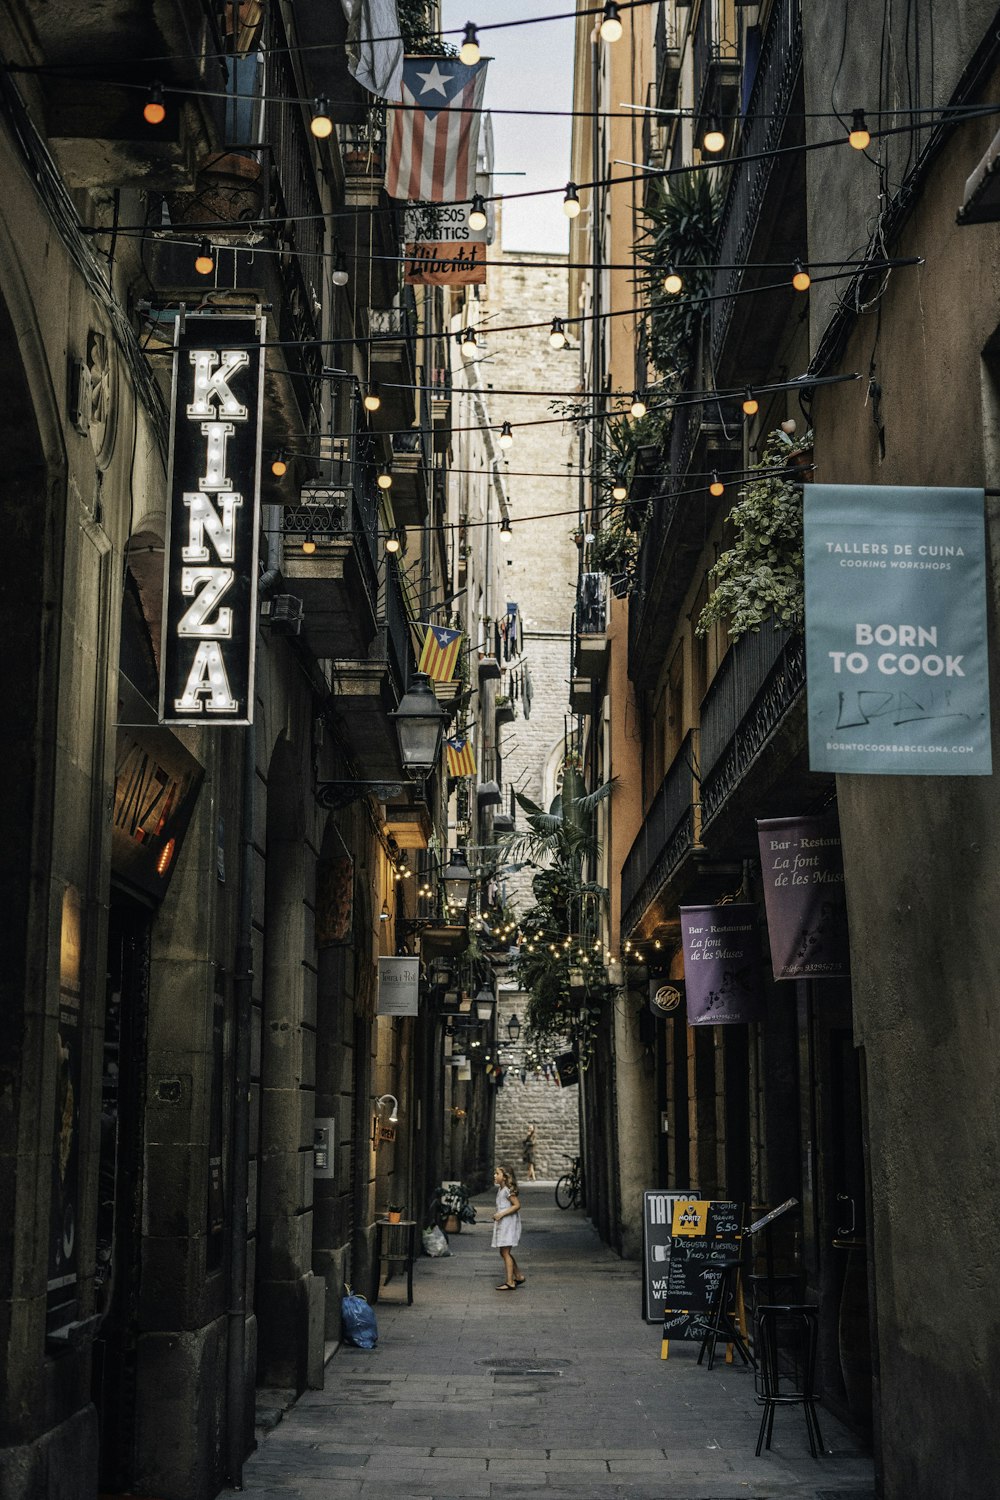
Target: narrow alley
557, 1389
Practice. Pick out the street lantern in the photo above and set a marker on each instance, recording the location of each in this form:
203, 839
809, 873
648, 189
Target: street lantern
514, 1027
484, 1004
419, 721
457, 880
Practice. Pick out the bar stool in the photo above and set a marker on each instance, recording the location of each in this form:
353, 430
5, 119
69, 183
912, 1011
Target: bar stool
793, 1329
721, 1322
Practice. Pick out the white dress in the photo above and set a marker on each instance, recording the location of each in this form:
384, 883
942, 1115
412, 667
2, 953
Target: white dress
506, 1231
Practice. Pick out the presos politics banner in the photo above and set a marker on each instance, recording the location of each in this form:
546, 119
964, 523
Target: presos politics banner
802, 869
722, 978
896, 661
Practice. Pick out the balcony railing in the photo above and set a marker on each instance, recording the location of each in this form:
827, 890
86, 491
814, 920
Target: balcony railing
715, 52
766, 110
760, 678
668, 58
669, 831
397, 633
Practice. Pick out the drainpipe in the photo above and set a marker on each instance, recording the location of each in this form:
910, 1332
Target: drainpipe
239, 1212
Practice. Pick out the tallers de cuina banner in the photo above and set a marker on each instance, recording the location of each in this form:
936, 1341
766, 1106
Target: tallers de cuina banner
896, 661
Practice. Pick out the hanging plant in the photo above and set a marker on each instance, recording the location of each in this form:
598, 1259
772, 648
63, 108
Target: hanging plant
760, 577
681, 236
417, 30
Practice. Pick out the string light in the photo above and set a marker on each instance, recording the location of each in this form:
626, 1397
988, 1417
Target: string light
611, 26
716, 487
392, 544
204, 261
751, 406
506, 438
279, 464
321, 124
339, 275
371, 399
557, 334
477, 216
714, 139
638, 407
571, 202
860, 136
154, 111
505, 527
469, 344
309, 545
619, 490
801, 281
469, 52
672, 282
384, 480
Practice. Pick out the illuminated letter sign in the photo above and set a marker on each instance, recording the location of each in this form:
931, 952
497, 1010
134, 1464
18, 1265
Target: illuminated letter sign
210, 583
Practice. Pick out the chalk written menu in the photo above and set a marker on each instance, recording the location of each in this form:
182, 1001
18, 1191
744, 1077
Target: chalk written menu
704, 1239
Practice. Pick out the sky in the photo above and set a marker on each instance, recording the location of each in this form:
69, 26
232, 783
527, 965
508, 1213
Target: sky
532, 68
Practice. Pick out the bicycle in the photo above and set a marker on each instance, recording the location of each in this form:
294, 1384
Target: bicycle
569, 1188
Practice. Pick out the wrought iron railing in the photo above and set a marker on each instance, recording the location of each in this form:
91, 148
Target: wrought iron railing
774, 82
715, 42
396, 622
760, 678
669, 830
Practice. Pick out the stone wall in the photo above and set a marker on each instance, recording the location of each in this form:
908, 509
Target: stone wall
554, 1111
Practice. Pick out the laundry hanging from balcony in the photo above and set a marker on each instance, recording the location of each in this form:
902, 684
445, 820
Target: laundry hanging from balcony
374, 47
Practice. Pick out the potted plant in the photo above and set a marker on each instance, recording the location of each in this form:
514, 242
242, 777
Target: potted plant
505, 710
394, 1212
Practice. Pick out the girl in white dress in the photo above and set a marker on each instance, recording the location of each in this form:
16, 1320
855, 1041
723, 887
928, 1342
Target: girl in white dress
507, 1227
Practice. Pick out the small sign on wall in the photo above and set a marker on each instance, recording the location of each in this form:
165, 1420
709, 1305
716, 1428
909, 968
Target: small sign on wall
399, 986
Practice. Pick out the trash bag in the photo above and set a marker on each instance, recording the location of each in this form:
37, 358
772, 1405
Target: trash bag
358, 1321
435, 1241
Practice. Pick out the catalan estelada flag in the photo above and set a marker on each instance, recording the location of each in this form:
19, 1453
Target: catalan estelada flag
439, 653
461, 760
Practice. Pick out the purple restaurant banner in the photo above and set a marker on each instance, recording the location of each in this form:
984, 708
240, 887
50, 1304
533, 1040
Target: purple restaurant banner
802, 867
722, 978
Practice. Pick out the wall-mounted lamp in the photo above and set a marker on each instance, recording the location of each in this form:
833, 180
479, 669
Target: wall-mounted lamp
380, 1104
514, 1027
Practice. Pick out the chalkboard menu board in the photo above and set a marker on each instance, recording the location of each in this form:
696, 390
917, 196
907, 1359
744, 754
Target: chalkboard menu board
688, 1243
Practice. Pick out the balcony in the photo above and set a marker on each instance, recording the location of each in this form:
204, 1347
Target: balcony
441, 409
92, 109
668, 61
675, 533
753, 728
394, 360
762, 216
369, 686
716, 57
337, 580
411, 465
590, 627
362, 154
654, 149
670, 832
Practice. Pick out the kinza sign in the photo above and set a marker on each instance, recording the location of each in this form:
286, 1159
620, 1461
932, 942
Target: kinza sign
210, 585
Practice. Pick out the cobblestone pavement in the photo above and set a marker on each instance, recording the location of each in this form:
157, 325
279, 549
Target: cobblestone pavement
556, 1390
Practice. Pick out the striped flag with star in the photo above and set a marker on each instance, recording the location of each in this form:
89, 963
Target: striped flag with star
461, 757
434, 136
439, 653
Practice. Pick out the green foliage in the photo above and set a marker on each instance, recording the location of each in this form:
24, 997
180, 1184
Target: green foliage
683, 224
416, 29
760, 577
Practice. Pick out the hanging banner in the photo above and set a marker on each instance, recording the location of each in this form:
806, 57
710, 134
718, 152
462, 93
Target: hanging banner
442, 224
896, 662
399, 986
210, 579
445, 265
802, 868
722, 978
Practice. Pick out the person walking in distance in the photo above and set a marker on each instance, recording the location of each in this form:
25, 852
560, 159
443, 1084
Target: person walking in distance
528, 1153
507, 1227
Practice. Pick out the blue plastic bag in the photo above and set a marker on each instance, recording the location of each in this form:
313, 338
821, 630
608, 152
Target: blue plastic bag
358, 1320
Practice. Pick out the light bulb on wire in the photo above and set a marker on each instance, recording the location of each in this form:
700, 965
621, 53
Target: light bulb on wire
716, 487
392, 543
751, 406
309, 544
371, 399
557, 334
204, 261
505, 527
469, 52
477, 215
154, 111
611, 26
638, 407
672, 282
801, 280
339, 274
860, 136
619, 490
321, 124
279, 464
469, 344
384, 480
506, 438
714, 139
571, 202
